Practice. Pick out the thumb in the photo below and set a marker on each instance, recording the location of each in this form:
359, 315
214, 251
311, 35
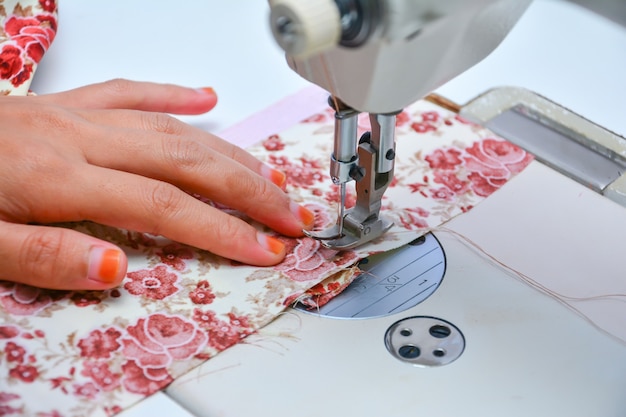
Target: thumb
58, 258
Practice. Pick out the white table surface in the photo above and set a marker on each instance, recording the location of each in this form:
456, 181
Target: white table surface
558, 50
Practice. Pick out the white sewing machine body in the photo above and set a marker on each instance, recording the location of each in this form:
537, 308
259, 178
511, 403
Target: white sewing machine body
525, 353
506, 347
378, 56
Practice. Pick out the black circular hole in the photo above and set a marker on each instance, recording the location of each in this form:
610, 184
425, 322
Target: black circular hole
409, 351
439, 353
420, 240
406, 332
439, 331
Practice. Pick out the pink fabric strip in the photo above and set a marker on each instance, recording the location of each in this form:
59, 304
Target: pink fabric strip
277, 117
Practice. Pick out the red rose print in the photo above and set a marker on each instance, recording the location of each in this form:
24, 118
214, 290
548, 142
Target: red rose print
24, 300
305, 175
492, 163
155, 283
451, 181
8, 332
6, 409
444, 159
430, 116
442, 193
462, 120
273, 143
484, 186
174, 255
414, 218
99, 344
223, 334
23, 76
418, 187
11, 61
88, 390
496, 158
402, 118
48, 5
14, 352
320, 294
26, 373
144, 381
422, 127
203, 318
156, 341
112, 410
86, 298
242, 323
32, 34
202, 294
100, 373
307, 259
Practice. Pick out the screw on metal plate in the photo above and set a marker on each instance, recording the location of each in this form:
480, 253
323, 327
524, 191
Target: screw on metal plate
424, 341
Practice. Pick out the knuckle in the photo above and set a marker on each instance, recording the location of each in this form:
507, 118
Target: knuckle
162, 123
184, 154
257, 192
225, 235
42, 251
118, 87
164, 201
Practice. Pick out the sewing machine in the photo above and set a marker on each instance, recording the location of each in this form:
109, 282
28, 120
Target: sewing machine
518, 351
378, 57
475, 339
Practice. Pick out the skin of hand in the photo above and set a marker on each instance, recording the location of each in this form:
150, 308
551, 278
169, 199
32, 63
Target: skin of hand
110, 153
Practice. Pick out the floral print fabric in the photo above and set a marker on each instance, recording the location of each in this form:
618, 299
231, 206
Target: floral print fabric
97, 353
27, 30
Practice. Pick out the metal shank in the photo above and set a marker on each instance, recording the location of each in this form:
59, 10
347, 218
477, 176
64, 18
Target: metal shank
373, 174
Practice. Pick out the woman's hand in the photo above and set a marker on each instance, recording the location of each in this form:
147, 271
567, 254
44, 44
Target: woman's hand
109, 153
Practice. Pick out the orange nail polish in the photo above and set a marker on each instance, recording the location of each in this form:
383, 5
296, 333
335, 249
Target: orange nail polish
277, 177
271, 243
207, 90
306, 216
104, 264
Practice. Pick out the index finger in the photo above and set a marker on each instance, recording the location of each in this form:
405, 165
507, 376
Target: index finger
146, 96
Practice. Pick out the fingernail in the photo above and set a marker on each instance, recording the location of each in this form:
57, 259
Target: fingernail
207, 90
303, 214
104, 264
277, 177
270, 243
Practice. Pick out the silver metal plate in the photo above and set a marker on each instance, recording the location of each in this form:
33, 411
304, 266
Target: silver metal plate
559, 147
390, 282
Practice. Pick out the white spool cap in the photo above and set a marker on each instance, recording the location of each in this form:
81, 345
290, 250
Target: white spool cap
305, 27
